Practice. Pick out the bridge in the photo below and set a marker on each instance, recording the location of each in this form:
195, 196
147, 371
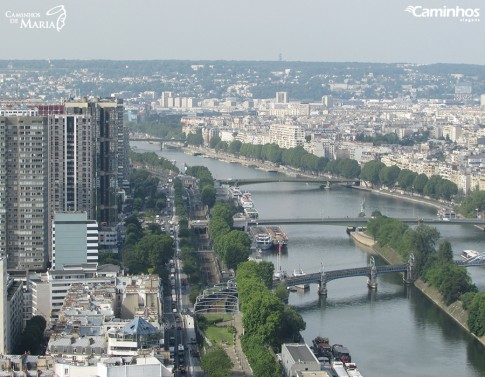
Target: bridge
320, 180
371, 271
365, 220
156, 140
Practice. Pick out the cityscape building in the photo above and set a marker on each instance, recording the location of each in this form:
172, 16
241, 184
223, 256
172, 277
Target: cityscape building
74, 239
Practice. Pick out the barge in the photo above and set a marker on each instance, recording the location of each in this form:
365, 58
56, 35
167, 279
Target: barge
278, 235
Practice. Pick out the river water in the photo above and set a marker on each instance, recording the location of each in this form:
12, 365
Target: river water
393, 331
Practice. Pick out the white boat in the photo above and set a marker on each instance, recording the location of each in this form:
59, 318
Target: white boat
352, 370
339, 369
246, 200
235, 192
469, 254
297, 273
263, 241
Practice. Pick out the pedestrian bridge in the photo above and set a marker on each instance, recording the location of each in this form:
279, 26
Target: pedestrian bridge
371, 271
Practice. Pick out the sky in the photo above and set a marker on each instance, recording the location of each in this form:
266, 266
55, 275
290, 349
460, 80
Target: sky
297, 30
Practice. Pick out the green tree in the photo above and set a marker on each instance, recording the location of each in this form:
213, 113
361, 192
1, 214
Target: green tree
476, 315
208, 196
388, 175
371, 170
406, 179
420, 182
235, 147
235, 248
216, 363
214, 141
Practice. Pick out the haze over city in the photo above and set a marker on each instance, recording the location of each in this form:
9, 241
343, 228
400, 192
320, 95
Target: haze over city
309, 30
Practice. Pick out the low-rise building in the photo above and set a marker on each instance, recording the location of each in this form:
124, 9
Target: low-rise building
297, 357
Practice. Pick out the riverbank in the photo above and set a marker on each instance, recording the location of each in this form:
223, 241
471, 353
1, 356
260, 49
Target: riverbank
455, 310
267, 166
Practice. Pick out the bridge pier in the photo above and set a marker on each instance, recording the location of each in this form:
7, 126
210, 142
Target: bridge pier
322, 286
372, 281
408, 277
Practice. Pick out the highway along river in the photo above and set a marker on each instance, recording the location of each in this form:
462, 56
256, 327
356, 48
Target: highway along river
393, 331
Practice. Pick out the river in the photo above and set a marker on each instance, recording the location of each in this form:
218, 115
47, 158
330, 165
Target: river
393, 331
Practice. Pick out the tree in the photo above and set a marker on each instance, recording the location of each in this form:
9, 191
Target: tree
234, 147
208, 196
476, 314
371, 170
420, 182
216, 363
406, 178
214, 141
388, 175
235, 248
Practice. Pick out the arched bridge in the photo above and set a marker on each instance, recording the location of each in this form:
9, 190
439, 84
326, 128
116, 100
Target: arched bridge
321, 180
371, 271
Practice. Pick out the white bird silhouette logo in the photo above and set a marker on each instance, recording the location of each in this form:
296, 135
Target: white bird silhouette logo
61, 19
410, 9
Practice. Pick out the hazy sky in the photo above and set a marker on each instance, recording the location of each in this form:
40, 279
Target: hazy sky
308, 30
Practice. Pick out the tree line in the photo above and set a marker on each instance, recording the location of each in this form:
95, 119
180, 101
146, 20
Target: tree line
232, 246
268, 322
378, 174
375, 171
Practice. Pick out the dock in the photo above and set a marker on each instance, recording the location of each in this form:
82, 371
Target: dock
278, 235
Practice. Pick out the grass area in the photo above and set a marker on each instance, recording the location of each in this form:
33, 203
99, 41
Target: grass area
215, 318
220, 334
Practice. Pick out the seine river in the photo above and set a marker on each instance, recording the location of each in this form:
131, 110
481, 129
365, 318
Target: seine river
393, 331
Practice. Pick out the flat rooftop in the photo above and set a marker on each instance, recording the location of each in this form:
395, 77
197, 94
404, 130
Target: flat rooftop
301, 352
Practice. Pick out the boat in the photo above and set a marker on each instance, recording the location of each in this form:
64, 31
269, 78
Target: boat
469, 254
298, 273
251, 214
341, 353
235, 192
278, 235
351, 369
261, 238
339, 369
264, 241
246, 200
321, 347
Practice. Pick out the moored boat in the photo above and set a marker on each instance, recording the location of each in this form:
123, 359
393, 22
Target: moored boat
278, 235
339, 369
341, 353
246, 200
298, 273
469, 254
261, 238
352, 370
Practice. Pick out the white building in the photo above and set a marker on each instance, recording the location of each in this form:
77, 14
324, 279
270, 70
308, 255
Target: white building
298, 357
286, 135
74, 239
